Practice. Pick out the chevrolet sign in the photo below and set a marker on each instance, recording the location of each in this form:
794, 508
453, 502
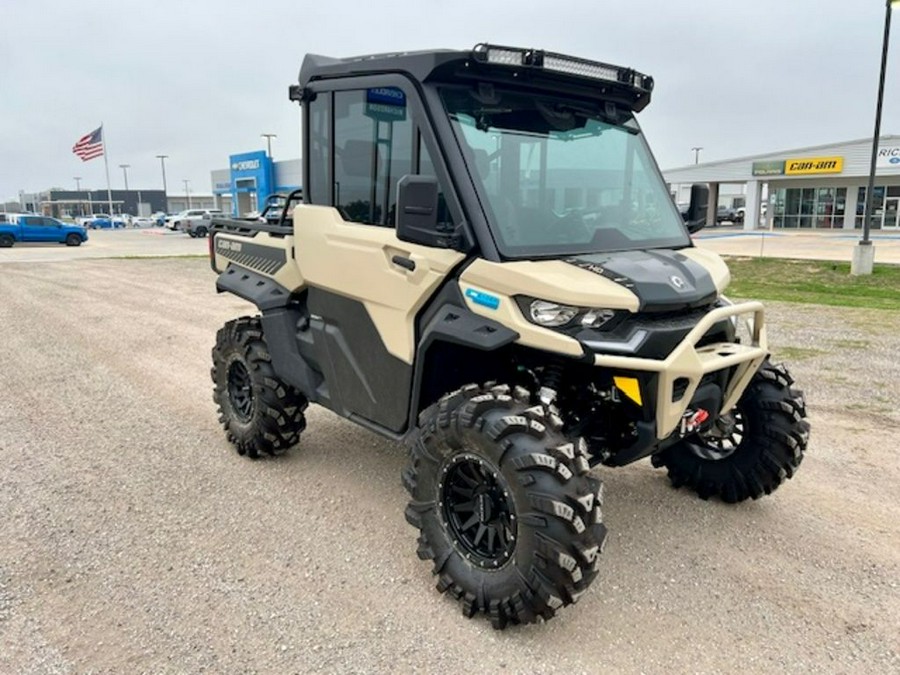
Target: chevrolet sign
246, 165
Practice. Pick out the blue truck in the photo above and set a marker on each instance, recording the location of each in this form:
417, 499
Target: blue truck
15, 228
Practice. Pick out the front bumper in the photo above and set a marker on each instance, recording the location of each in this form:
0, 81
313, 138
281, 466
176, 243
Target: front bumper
687, 364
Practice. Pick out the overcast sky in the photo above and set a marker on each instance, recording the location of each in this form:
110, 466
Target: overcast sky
200, 80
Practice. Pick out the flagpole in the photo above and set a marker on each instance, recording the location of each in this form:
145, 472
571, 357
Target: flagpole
106, 164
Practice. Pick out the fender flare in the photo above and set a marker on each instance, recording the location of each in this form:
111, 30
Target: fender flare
262, 291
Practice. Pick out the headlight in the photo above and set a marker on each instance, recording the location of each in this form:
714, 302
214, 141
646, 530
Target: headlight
546, 313
594, 318
554, 314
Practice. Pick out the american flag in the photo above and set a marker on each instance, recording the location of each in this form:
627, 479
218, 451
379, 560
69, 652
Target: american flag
90, 145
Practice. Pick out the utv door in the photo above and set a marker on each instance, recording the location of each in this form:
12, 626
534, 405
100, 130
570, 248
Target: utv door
365, 285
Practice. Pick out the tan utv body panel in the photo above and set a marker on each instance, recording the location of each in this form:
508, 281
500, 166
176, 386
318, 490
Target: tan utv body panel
552, 280
712, 262
354, 260
233, 248
562, 282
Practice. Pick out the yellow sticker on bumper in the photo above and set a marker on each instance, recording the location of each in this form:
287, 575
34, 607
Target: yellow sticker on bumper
630, 387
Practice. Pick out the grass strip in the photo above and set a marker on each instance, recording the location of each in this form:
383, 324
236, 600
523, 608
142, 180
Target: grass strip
820, 282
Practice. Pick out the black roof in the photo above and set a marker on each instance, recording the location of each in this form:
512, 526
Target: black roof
447, 65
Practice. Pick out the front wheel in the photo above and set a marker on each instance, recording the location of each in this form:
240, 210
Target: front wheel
505, 506
753, 450
260, 413
73, 240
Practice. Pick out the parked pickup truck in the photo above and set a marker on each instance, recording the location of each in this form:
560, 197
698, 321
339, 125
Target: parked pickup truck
28, 228
181, 220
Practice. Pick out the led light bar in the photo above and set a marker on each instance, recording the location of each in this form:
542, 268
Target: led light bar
597, 71
560, 63
506, 57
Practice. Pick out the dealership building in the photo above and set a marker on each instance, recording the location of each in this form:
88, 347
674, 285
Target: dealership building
816, 187
250, 178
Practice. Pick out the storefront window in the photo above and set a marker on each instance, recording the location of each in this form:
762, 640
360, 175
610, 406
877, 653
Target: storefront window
810, 207
877, 207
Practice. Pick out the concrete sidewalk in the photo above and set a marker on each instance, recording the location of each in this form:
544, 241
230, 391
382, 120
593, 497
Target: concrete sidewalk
806, 244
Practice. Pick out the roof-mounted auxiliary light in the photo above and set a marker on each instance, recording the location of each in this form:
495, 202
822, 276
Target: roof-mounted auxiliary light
597, 71
560, 63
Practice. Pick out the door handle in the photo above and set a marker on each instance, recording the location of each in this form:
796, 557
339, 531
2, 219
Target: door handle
405, 263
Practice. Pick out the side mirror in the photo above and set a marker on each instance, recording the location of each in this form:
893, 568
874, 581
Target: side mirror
417, 211
696, 215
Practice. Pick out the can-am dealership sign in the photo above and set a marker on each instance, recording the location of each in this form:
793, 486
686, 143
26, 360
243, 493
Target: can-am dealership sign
888, 157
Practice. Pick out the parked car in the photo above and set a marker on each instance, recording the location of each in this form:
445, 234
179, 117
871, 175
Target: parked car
143, 221
159, 217
725, 213
106, 223
85, 220
177, 221
31, 228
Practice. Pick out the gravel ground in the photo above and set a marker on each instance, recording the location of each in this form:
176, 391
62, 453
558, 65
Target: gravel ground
133, 539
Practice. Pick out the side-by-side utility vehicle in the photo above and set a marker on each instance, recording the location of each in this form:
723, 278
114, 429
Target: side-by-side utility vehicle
489, 268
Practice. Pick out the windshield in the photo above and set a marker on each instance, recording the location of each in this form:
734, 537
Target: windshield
560, 176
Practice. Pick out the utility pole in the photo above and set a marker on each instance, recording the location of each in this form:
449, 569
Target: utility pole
77, 183
697, 154
125, 168
187, 191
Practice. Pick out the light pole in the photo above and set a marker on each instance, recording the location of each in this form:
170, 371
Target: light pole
77, 183
162, 160
187, 191
864, 254
125, 168
697, 154
269, 138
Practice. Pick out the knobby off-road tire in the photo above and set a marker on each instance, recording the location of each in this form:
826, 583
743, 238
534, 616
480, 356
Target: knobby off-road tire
766, 447
260, 413
504, 504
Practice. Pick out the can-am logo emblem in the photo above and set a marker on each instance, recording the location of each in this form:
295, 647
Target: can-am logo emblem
677, 282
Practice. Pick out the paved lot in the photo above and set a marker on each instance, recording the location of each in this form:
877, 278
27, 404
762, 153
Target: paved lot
124, 243
133, 539
808, 244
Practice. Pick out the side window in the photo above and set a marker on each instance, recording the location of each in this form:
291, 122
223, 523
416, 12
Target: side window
319, 120
373, 150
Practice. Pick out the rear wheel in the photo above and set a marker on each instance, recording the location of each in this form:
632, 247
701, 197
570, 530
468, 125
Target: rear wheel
201, 231
504, 504
754, 448
260, 413
6, 240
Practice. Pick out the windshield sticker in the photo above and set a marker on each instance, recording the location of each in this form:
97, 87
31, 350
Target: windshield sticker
482, 298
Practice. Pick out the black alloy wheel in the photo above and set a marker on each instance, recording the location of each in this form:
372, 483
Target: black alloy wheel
476, 508
723, 440
240, 391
